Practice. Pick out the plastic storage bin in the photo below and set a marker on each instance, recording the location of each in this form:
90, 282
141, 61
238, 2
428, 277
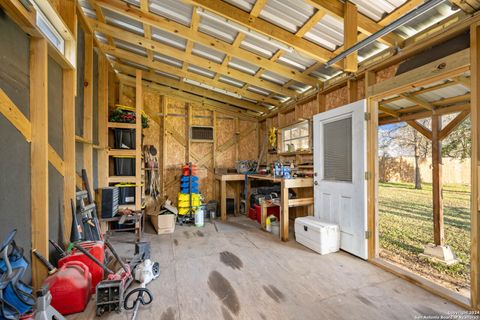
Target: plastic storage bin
124, 166
322, 237
125, 138
126, 194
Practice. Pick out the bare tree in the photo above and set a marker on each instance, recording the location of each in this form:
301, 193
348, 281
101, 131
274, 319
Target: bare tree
402, 139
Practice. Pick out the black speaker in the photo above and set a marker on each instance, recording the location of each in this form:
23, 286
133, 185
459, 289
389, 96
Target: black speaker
107, 201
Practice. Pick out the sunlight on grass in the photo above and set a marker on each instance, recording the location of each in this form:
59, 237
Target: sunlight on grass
406, 225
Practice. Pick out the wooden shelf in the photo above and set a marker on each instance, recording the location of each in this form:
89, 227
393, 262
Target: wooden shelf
122, 179
122, 152
296, 153
121, 125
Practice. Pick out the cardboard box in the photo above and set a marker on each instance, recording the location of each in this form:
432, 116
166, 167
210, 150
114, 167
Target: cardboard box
163, 223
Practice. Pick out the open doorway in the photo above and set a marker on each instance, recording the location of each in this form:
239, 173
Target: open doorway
424, 182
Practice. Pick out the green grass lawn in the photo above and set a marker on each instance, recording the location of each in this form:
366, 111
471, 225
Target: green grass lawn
406, 226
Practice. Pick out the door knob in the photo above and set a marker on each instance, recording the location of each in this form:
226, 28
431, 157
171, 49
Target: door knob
315, 183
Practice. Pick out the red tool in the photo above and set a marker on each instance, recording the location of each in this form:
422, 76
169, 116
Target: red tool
96, 249
71, 283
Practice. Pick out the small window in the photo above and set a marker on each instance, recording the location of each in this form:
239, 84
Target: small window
296, 137
201, 133
48, 30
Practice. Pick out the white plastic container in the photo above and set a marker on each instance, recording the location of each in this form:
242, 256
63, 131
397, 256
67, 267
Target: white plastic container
200, 216
317, 235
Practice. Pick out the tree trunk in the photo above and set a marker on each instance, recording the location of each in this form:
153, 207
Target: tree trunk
418, 178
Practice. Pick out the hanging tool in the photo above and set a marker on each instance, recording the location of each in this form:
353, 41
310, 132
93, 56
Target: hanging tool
58, 248
50, 267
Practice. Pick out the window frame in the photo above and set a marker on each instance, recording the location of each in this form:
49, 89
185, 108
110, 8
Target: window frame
283, 131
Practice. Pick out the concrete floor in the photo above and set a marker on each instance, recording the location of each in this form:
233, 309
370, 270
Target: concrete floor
236, 271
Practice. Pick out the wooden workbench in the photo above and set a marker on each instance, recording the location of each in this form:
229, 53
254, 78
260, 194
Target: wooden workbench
223, 180
285, 203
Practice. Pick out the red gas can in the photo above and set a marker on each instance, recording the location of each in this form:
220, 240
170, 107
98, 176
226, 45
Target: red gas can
70, 287
96, 249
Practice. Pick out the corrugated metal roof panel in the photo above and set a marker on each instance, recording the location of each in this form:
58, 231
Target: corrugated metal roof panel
400, 104
300, 87
273, 77
123, 22
296, 60
201, 71
258, 90
168, 60
231, 81
446, 92
324, 73
101, 37
130, 47
169, 39
328, 33
288, 14
208, 53
243, 66
425, 20
246, 5
371, 50
216, 29
262, 48
165, 74
377, 9
173, 9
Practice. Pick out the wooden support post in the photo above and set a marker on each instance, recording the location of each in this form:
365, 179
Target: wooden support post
322, 103
39, 153
102, 121
352, 86
88, 109
223, 200
438, 227
372, 168
187, 132
350, 24
284, 218
138, 139
164, 144
475, 117
69, 179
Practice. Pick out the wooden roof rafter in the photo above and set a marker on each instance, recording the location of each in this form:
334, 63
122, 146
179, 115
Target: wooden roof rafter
180, 85
158, 65
202, 38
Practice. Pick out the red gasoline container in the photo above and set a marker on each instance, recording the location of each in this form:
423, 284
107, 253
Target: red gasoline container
70, 287
252, 214
96, 249
270, 210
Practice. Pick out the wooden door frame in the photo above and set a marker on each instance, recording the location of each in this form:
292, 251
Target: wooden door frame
375, 92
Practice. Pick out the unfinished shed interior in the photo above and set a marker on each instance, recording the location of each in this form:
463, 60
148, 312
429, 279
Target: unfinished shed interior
239, 159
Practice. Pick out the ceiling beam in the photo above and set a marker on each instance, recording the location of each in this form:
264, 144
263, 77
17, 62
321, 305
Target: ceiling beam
132, 57
196, 60
426, 114
178, 29
365, 25
388, 111
241, 17
400, 11
350, 33
424, 131
453, 124
311, 22
178, 84
205, 102
422, 103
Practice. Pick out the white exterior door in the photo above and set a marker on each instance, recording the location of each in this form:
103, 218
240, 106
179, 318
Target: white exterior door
340, 166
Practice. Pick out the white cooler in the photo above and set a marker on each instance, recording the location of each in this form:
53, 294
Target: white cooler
322, 237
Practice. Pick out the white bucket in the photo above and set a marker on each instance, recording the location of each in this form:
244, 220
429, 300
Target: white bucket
275, 226
199, 216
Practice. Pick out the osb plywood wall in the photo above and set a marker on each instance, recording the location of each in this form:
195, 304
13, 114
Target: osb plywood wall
235, 139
